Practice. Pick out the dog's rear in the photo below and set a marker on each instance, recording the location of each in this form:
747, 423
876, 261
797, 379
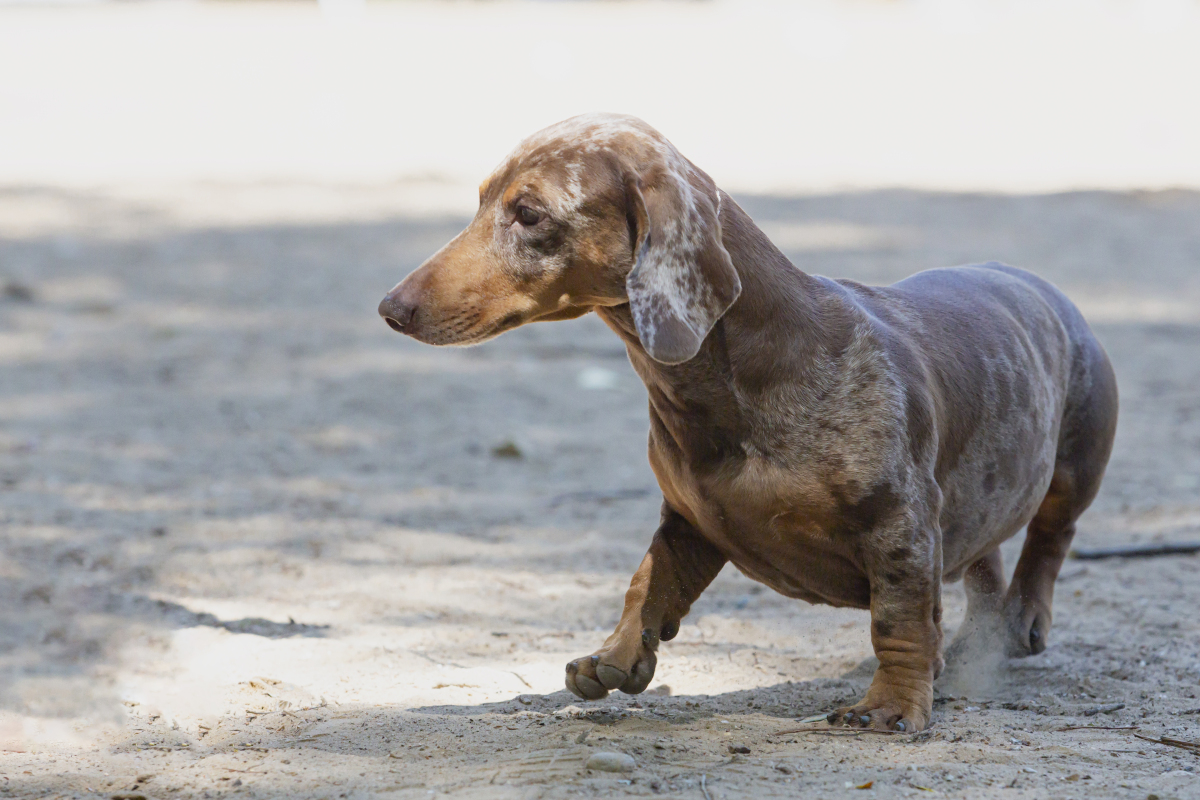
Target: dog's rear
1087, 420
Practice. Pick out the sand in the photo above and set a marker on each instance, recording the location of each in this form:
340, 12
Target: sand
255, 544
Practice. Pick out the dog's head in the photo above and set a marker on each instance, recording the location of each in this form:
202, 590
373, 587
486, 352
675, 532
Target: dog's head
599, 210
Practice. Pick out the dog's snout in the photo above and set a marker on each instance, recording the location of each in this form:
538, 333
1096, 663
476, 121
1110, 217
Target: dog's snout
397, 312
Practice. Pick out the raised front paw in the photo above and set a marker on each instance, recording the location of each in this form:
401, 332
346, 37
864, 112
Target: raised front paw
887, 708
621, 664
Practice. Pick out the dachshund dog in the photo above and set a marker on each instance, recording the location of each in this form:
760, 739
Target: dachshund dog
843, 444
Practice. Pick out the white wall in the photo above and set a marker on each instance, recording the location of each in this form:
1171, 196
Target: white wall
1013, 96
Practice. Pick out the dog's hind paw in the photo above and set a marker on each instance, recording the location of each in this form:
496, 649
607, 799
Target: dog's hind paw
1029, 627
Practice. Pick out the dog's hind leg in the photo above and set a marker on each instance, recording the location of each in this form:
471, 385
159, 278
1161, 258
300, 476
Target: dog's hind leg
1029, 600
1085, 442
985, 585
680, 565
983, 624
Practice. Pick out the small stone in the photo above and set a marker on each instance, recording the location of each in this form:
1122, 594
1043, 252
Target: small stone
569, 711
611, 762
18, 292
507, 449
739, 748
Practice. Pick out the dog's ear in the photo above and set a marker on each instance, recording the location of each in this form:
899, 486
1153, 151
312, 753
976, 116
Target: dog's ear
682, 280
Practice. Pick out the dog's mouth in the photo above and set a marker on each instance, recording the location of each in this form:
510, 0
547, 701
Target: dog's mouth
484, 333
462, 328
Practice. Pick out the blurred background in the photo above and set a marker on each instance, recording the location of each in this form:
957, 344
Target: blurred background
228, 490
769, 96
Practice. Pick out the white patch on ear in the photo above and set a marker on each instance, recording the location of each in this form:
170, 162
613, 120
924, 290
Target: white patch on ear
683, 280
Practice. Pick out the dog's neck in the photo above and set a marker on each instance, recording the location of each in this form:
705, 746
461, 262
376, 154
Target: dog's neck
780, 324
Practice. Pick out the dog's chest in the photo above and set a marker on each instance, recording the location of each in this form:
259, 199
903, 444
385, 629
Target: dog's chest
784, 527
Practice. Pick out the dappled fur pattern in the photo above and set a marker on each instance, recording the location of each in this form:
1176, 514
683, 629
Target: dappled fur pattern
841, 443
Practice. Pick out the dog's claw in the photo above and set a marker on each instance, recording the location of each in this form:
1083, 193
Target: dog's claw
880, 718
1037, 642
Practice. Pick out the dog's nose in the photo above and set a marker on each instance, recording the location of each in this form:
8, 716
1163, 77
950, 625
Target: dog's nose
397, 312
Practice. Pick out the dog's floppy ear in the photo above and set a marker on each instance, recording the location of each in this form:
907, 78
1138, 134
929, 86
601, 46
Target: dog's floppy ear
683, 279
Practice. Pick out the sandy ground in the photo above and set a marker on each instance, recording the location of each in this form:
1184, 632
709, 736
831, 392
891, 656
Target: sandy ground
255, 544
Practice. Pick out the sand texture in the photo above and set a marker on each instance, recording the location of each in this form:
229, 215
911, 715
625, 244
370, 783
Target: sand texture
254, 544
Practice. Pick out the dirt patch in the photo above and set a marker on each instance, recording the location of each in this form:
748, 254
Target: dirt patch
256, 544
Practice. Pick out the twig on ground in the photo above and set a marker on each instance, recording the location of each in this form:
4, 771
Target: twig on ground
1137, 550
1180, 743
704, 787
254, 715
829, 732
433, 660
1099, 728
1108, 709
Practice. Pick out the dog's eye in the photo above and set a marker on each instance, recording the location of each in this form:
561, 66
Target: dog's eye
527, 216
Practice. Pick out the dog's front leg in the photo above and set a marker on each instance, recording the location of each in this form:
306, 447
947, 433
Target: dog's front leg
906, 632
678, 567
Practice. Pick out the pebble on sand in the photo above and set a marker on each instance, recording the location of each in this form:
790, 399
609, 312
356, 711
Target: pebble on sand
611, 762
